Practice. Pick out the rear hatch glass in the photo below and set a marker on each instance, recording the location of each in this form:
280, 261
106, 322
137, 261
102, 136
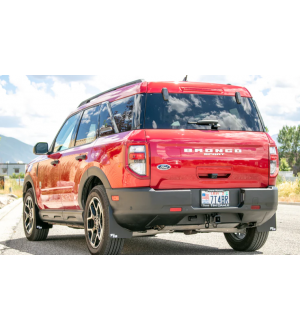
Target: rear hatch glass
183, 108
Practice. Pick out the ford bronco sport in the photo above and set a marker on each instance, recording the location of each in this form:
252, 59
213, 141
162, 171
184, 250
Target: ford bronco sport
157, 157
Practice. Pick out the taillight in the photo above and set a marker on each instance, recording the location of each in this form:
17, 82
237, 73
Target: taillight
137, 159
274, 162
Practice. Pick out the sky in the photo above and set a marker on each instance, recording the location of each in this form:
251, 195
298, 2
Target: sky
33, 107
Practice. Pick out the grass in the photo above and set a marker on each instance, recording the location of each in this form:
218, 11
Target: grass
288, 191
15, 188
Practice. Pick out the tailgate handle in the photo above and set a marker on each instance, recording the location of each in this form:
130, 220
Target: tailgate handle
214, 175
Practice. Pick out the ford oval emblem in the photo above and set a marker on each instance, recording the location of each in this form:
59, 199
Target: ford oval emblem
163, 167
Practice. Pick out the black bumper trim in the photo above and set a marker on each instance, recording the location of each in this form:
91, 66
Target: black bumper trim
145, 208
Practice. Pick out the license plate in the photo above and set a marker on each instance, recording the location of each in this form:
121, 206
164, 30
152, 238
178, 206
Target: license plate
215, 198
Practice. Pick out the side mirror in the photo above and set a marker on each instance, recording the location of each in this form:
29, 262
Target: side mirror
105, 130
40, 148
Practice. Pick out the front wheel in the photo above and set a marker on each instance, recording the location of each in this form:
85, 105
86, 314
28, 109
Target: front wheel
96, 224
32, 231
251, 240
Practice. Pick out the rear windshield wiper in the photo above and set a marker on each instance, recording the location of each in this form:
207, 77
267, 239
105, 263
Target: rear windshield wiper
213, 123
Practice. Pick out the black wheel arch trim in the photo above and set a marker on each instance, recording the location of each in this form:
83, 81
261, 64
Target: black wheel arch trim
26, 180
90, 172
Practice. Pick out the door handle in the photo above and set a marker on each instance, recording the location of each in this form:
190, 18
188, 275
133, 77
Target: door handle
81, 157
55, 162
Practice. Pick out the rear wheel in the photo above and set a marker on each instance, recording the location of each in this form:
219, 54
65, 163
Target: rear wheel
251, 240
96, 224
33, 232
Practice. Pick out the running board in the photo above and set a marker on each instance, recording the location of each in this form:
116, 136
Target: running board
75, 219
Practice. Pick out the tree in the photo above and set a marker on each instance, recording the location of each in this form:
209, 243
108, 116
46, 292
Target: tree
284, 166
289, 137
17, 176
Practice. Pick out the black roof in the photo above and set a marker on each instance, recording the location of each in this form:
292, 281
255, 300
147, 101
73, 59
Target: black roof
110, 90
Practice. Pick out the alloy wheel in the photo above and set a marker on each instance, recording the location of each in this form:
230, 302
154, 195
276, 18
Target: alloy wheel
239, 236
29, 215
95, 222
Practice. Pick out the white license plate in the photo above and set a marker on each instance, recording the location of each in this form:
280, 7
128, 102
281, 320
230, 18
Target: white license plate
215, 198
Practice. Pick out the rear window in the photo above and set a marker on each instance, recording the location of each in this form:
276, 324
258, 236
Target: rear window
182, 108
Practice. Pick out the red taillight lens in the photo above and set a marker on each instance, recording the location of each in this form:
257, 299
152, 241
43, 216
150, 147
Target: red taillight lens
137, 156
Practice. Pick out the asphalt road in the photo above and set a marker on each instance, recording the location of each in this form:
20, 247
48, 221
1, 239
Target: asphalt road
64, 240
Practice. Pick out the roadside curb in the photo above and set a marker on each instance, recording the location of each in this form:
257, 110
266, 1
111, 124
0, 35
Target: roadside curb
286, 203
6, 209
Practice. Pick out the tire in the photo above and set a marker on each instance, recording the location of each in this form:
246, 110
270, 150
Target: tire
251, 241
96, 224
31, 219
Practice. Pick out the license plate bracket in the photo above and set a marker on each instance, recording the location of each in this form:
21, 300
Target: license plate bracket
215, 198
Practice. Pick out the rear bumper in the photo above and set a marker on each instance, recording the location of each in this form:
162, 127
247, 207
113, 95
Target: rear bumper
140, 209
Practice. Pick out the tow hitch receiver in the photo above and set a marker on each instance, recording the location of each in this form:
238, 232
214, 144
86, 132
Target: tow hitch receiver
214, 218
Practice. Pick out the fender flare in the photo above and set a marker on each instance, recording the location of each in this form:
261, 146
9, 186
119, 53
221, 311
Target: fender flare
26, 180
91, 171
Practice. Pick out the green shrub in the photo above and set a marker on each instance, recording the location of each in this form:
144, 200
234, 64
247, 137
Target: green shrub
284, 166
17, 176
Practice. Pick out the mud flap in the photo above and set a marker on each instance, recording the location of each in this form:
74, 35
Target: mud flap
270, 225
115, 230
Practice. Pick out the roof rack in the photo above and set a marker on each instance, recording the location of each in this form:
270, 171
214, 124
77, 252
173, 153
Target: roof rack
110, 90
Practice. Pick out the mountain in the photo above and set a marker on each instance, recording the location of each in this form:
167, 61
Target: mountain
13, 150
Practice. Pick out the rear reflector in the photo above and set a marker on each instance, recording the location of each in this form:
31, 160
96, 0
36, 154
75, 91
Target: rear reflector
115, 198
175, 209
255, 207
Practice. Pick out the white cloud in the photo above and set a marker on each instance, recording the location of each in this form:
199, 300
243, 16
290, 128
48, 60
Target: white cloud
43, 105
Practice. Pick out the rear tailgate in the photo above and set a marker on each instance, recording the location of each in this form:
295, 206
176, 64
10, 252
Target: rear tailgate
239, 159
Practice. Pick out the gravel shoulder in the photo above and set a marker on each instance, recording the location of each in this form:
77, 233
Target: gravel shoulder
6, 199
67, 241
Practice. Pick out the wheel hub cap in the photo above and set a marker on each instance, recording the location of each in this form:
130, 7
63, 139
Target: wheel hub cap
28, 214
95, 222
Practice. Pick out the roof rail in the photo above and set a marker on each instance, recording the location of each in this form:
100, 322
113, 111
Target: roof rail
110, 90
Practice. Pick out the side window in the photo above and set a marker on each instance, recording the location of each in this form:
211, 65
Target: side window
106, 127
87, 131
122, 111
64, 137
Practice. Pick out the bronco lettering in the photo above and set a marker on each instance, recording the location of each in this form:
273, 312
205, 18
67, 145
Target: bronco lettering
213, 150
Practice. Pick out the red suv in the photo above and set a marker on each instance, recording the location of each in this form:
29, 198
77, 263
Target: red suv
157, 157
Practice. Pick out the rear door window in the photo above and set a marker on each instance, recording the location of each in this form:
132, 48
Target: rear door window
106, 126
88, 127
122, 111
184, 108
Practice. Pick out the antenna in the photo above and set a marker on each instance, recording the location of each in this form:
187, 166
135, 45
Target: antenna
185, 78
